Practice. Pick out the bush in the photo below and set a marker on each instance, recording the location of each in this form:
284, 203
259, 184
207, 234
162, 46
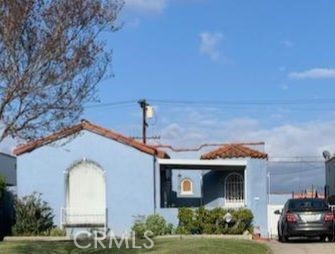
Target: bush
243, 221
154, 223
33, 216
2, 186
139, 227
56, 232
186, 221
204, 221
169, 229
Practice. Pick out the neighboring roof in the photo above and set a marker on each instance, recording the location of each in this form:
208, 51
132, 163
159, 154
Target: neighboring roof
86, 125
234, 151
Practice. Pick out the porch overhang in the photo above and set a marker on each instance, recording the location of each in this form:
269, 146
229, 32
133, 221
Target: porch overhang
209, 178
201, 164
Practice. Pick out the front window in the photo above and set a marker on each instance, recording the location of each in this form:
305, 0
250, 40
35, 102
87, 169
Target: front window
234, 188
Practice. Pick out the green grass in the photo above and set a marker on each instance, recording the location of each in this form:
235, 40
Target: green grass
166, 246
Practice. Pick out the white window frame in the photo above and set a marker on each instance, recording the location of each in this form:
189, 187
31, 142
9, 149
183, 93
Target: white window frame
182, 191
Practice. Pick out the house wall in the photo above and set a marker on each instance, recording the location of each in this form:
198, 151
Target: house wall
256, 197
8, 168
213, 187
129, 176
256, 192
330, 176
178, 200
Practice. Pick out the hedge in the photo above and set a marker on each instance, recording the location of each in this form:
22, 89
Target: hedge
213, 221
155, 223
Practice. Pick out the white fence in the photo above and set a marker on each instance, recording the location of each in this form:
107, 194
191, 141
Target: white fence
273, 220
80, 217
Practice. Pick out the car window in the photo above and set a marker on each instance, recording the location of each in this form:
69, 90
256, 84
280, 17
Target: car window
307, 205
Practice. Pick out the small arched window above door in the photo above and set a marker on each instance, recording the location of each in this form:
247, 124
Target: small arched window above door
186, 187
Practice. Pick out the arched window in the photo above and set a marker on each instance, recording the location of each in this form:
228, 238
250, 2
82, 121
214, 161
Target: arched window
234, 188
186, 187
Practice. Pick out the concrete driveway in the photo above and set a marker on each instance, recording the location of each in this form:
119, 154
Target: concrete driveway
302, 247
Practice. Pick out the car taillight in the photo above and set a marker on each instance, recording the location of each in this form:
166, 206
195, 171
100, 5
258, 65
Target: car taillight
329, 217
290, 217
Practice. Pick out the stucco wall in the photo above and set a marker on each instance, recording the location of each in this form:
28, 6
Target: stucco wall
8, 168
129, 175
255, 193
190, 200
213, 187
193, 175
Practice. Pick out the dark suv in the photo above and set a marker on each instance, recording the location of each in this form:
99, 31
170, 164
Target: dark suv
306, 218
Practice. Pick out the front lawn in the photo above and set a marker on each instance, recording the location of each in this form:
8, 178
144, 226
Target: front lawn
166, 246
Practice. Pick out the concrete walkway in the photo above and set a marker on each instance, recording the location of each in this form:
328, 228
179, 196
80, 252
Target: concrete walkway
302, 247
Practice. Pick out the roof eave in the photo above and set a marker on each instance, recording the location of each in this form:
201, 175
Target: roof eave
86, 125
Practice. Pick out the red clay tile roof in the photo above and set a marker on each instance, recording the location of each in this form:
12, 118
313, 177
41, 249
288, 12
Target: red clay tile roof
86, 125
233, 151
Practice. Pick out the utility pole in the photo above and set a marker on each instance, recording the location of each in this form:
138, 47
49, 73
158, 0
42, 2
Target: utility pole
143, 104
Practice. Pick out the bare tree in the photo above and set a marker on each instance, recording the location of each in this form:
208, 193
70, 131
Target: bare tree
51, 60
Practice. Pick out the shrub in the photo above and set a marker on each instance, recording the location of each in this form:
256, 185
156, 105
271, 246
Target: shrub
33, 216
169, 229
2, 186
204, 221
154, 223
181, 230
57, 232
186, 220
243, 221
139, 227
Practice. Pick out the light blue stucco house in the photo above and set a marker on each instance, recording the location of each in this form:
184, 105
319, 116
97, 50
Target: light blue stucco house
99, 178
8, 169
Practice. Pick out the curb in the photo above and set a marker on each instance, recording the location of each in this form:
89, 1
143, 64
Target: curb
36, 239
225, 237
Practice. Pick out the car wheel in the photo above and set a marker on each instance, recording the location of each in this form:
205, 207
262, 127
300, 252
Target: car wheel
280, 237
331, 238
323, 238
285, 239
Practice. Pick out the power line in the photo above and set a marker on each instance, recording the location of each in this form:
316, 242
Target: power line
111, 104
323, 101
247, 102
232, 105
